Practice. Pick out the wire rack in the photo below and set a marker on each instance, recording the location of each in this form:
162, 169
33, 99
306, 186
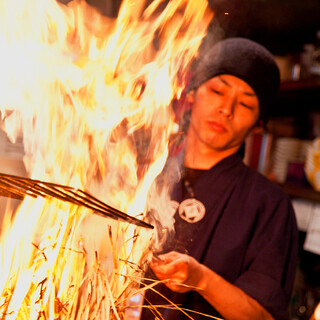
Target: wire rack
18, 187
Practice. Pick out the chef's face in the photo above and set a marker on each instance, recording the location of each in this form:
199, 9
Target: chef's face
225, 109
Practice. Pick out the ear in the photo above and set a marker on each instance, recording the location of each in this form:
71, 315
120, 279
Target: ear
190, 96
258, 127
259, 124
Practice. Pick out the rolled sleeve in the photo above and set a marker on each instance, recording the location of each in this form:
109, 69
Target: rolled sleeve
266, 291
270, 263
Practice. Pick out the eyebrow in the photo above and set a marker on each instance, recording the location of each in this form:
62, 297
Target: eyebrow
224, 81
251, 94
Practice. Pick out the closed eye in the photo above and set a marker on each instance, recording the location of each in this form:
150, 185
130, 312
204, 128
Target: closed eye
246, 105
216, 91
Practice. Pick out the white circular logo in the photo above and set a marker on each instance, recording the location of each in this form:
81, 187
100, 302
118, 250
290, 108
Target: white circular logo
192, 210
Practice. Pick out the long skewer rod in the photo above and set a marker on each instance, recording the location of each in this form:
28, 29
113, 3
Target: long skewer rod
18, 187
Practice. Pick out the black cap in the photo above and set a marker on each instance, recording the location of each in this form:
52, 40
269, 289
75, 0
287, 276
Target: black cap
244, 59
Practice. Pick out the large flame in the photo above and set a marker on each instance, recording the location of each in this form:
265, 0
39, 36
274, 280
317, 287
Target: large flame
90, 96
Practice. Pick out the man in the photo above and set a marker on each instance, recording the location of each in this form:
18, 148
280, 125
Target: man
235, 247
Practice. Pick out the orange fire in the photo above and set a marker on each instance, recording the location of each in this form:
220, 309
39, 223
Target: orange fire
316, 313
90, 96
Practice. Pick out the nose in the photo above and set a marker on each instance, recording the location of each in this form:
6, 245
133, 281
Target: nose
227, 106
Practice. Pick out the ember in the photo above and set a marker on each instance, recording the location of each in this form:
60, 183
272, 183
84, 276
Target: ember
90, 96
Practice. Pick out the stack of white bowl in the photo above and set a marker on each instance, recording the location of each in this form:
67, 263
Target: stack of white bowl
309, 163
286, 150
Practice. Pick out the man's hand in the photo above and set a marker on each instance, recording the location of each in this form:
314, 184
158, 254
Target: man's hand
181, 272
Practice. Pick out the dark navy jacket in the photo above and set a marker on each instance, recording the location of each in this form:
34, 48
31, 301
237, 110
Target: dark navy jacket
248, 236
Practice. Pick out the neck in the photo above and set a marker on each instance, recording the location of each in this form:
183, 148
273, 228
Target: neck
200, 156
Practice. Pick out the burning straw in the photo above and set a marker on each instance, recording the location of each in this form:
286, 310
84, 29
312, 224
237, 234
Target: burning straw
90, 96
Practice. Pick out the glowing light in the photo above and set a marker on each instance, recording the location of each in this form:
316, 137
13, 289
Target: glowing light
90, 96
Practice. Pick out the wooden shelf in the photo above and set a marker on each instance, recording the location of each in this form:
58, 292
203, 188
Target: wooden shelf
312, 83
296, 190
297, 98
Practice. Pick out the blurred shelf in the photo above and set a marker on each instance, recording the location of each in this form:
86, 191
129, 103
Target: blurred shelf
312, 83
301, 191
297, 98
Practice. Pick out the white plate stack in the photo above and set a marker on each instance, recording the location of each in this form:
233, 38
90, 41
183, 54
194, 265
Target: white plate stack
286, 150
309, 163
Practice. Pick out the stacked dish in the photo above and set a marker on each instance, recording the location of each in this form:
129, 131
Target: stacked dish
286, 150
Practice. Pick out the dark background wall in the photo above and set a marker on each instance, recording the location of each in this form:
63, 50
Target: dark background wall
281, 25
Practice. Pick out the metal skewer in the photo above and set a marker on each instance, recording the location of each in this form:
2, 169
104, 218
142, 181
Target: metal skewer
18, 187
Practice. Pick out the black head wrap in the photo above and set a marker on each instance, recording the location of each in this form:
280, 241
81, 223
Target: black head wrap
245, 59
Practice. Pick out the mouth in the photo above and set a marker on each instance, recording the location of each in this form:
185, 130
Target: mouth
217, 126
